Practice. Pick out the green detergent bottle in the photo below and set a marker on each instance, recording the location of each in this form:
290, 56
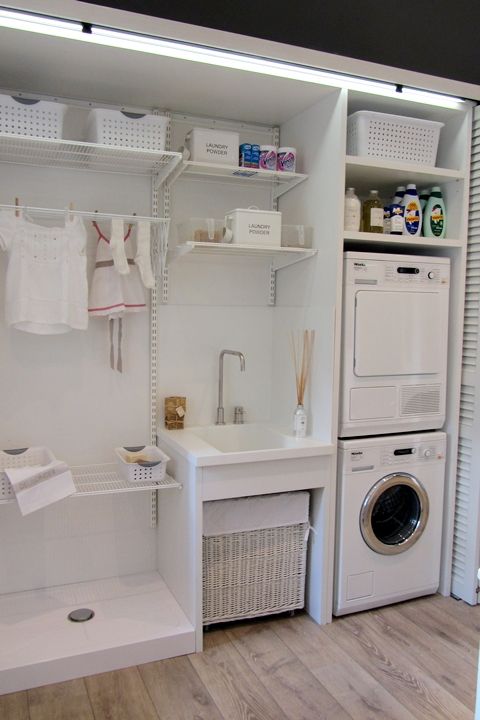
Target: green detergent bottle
434, 215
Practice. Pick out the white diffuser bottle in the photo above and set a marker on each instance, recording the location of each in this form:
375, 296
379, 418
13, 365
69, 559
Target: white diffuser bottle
302, 354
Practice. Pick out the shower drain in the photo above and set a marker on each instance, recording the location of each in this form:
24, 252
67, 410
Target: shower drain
81, 615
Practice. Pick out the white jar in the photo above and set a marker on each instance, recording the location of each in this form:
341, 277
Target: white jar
352, 211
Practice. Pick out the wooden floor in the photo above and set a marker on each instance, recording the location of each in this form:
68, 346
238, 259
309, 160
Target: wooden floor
417, 659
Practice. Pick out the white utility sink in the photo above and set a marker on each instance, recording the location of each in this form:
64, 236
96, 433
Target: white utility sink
242, 438
226, 444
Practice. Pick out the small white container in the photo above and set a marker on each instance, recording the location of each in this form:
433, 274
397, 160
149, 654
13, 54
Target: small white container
251, 226
213, 146
124, 129
297, 236
286, 159
201, 230
36, 118
268, 157
142, 464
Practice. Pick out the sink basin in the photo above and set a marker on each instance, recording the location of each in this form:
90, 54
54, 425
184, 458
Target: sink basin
242, 438
229, 444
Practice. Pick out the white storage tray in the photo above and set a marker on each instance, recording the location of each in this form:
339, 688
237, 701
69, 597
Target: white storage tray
22, 457
154, 469
393, 137
35, 118
122, 129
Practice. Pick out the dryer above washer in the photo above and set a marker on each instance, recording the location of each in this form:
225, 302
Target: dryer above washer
394, 343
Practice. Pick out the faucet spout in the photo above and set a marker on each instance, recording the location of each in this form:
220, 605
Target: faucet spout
220, 409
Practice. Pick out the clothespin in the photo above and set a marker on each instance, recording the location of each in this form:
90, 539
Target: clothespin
130, 225
71, 208
17, 205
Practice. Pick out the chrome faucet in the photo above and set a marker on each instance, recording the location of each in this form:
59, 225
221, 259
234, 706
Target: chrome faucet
220, 409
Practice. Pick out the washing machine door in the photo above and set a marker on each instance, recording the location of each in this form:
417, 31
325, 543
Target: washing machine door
394, 513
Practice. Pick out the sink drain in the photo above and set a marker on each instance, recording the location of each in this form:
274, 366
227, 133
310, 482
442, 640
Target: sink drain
81, 615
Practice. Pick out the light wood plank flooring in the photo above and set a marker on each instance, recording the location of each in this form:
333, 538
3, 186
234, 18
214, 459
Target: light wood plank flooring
411, 661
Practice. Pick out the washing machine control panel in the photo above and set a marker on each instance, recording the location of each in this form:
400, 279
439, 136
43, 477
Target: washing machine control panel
404, 454
398, 274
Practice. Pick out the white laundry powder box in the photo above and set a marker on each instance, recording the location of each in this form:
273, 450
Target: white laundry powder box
251, 226
213, 146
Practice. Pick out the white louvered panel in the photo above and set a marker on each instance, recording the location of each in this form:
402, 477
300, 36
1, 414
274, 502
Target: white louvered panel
466, 545
467, 406
462, 504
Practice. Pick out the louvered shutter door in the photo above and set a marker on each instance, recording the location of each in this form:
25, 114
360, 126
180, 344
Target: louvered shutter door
466, 542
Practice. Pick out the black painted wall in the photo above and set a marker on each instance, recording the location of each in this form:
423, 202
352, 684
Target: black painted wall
431, 36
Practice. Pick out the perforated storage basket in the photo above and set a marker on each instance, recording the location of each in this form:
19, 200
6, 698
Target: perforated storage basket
253, 573
134, 472
36, 118
393, 137
24, 457
115, 127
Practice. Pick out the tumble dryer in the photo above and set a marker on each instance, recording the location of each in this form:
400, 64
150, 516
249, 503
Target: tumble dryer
389, 519
394, 343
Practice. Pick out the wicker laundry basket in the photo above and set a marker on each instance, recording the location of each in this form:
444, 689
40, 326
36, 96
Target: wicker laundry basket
258, 571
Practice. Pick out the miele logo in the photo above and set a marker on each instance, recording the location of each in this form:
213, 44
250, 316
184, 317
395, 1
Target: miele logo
356, 453
359, 264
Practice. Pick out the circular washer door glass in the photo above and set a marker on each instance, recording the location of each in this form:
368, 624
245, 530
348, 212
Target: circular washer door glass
394, 514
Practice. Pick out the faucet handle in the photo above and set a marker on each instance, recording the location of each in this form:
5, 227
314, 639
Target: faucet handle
238, 415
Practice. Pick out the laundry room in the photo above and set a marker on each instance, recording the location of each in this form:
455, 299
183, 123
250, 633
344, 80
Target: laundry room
221, 372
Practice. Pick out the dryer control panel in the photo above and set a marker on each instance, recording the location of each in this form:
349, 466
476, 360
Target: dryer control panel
392, 453
399, 274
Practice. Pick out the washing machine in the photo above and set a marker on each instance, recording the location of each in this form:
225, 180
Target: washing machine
389, 519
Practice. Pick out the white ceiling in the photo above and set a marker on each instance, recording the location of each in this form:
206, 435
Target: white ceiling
73, 69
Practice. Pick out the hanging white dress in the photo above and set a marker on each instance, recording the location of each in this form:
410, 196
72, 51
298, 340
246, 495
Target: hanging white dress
46, 284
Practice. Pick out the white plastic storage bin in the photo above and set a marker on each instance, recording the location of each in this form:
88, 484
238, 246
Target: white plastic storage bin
251, 226
24, 457
200, 230
36, 118
254, 556
393, 137
142, 463
213, 146
124, 129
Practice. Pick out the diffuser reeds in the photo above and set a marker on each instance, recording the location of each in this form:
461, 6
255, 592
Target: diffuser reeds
302, 348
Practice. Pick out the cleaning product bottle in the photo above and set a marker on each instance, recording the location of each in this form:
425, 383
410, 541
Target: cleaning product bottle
423, 196
435, 219
412, 212
373, 213
399, 193
352, 211
396, 219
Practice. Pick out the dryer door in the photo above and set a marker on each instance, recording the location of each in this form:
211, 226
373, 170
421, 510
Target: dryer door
394, 513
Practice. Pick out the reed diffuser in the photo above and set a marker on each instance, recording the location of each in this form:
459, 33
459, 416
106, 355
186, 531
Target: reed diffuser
302, 348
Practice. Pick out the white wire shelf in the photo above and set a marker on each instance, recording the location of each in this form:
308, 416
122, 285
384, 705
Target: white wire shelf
45, 152
99, 480
279, 256
281, 181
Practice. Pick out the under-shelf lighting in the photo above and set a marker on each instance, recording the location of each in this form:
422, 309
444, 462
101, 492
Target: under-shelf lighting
86, 32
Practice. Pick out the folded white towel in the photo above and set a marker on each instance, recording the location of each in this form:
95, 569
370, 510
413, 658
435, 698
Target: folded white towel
40, 485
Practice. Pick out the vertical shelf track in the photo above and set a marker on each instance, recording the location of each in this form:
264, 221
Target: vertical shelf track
274, 206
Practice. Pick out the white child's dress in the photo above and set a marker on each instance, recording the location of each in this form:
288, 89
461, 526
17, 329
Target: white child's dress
113, 294
46, 283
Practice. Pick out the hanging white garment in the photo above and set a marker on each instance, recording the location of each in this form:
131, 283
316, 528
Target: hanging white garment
46, 284
113, 294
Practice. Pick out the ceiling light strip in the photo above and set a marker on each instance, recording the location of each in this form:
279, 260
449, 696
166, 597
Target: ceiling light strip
109, 37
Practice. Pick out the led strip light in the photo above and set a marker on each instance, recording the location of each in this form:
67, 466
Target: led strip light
85, 32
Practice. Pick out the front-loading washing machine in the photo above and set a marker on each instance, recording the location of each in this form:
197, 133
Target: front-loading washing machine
389, 519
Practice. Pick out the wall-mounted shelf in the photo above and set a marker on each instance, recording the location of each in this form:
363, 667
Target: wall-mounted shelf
279, 256
281, 181
380, 240
100, 480
363, 173
44, 152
